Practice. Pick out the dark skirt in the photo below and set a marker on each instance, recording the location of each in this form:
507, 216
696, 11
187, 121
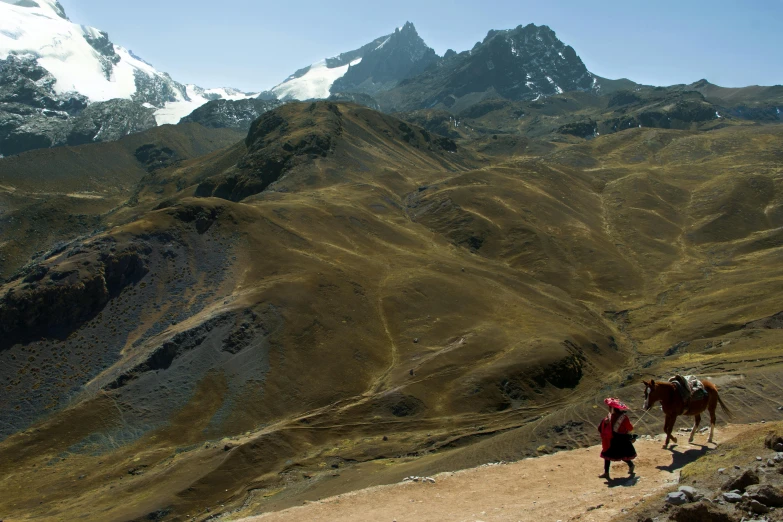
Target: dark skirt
620, 449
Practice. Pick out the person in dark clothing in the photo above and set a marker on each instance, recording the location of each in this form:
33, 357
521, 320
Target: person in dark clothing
616, 438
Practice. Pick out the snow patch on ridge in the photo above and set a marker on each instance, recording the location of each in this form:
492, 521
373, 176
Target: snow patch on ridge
384, 43
196, 97
315, 83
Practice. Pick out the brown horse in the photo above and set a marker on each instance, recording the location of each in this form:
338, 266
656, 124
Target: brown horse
674, 405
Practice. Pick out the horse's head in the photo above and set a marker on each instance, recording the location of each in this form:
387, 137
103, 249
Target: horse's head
650, 397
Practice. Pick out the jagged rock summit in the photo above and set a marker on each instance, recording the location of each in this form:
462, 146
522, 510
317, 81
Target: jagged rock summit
402, 55
524, 63
378, 66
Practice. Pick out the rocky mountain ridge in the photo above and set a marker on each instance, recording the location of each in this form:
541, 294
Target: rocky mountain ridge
403, 73
228, 114
525, 63
540, 83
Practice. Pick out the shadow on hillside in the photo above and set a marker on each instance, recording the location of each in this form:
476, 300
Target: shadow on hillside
681, 459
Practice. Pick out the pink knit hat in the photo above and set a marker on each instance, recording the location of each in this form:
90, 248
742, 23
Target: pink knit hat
615, 403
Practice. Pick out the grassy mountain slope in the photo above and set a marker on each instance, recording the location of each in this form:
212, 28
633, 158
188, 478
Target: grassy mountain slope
50, 196
345, 298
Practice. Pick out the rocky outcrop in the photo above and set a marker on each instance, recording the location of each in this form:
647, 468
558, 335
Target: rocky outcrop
398, 404
298, 134
232, 332
157, 90
620, 98
276, 142
24, 128
33, 115
23, 81
231, 114
355, 97
767, 494
582, 129
99, 40
747, 478
703, 511
57, 295
749, 490
155, 157
662, 108
438, 121
110, 121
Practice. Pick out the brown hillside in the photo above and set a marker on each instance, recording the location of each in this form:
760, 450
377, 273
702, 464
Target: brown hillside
346, 291
51, 196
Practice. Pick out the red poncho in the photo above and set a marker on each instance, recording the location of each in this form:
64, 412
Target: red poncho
614, 423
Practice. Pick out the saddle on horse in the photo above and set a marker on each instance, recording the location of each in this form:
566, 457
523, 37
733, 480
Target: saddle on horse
690, 389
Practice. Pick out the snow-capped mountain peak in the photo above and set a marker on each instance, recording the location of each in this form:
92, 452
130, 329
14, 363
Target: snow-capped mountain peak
83, 60
41, 7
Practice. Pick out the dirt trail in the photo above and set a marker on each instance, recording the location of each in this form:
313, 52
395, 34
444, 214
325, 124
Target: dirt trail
564, 486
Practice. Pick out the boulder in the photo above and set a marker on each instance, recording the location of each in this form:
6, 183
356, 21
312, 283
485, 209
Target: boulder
733, 498
754, 506
767, 494
677, 498
773, 440
747, 478
703, 512
691, 493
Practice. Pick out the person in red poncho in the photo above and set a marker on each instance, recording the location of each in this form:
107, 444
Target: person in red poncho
616, 438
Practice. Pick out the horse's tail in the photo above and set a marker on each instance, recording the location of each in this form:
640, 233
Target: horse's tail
725, 409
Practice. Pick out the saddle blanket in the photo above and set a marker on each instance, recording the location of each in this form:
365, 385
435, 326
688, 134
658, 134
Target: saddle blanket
698, 391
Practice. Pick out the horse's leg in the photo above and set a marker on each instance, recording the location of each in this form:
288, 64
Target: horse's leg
668, 424
712, 420
696, 421
667, 431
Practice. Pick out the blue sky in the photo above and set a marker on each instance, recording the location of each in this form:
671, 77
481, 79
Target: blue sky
253, 45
